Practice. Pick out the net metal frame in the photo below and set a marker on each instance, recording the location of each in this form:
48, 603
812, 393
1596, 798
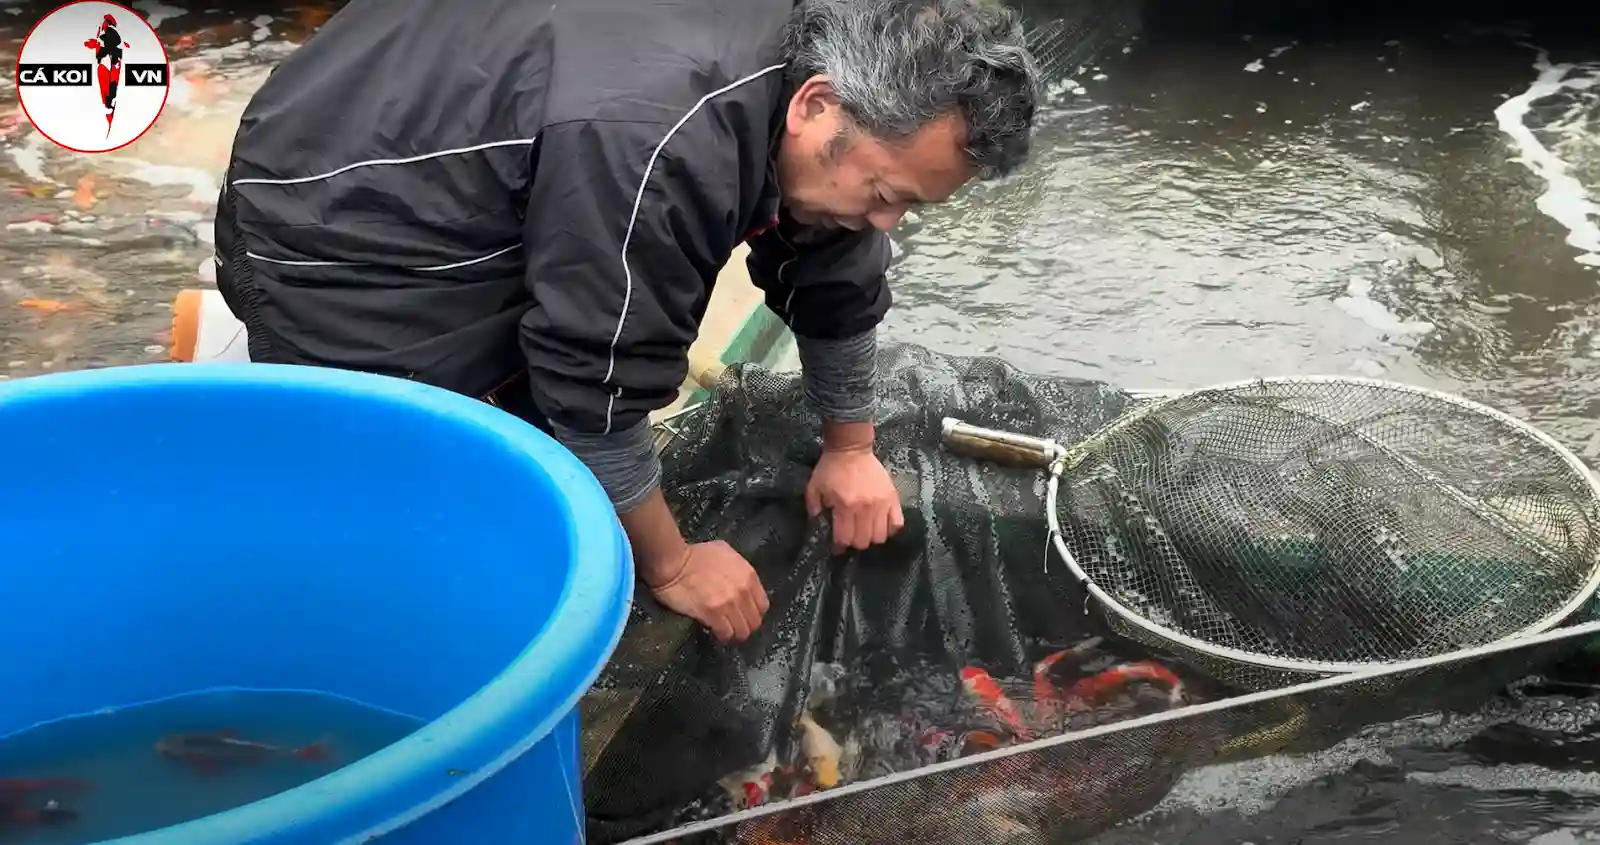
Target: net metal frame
1375, 676
1055, 459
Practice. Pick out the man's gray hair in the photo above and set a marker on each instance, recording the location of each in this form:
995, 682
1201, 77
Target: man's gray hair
896, 65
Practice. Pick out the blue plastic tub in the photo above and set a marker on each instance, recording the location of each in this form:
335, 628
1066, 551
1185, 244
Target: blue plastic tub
166, 529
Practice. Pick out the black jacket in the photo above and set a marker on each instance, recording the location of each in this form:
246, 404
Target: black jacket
456, 191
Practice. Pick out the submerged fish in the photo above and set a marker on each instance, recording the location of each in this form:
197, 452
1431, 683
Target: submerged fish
12, 813
212, 748
822, 752
12, 786
1045, 692
1052, 703
982, 687
980, 741
1094, 690
753, 786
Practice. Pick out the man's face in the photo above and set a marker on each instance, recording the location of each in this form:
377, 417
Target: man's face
832, 174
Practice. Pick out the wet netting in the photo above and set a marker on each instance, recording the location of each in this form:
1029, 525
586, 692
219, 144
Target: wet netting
961, 684
1066, 36
1279, 529
1080, 786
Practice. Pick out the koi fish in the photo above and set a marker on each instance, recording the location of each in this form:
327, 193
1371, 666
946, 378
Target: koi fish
1097, 688
822, 752
209, 749
52, 812
981, 686
1045, 691
13, 786
753, 786
44, 306
977, 742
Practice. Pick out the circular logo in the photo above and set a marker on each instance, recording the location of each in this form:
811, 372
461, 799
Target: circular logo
92, 76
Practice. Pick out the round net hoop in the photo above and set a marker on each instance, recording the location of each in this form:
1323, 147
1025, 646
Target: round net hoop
1363, 417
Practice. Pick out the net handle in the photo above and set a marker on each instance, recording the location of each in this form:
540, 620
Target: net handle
1001, 447
1027, 452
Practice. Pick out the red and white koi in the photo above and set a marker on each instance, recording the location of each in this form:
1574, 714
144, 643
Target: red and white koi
759, 784
1095, 689
1045, 691
1050, 701
983, 688
753, 786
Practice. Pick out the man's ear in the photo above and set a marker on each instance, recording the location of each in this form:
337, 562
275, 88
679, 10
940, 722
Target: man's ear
811, 101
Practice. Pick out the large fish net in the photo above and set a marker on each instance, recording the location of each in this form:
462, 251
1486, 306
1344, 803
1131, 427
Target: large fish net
1086, 786
1273, 530
963, 684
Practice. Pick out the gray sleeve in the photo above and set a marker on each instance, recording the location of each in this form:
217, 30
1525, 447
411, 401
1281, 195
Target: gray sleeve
840, 375
624, 461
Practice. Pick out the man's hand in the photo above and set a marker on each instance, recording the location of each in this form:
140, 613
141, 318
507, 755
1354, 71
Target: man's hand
852, 483
718, 588
707, 582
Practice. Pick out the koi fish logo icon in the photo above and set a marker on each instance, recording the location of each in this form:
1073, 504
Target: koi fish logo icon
107, 45
97, 101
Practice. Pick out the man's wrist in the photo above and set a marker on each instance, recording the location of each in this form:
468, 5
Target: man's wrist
626, 465
660, 552
854, 436
666, 569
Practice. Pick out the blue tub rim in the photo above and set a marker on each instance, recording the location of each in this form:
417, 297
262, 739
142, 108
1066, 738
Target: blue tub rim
499, 710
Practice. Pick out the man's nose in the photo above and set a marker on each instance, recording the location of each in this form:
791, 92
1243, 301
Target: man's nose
887, 218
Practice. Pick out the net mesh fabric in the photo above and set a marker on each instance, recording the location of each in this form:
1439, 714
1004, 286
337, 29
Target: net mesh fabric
1328, 520
1067, 35
1107, 786
886, 651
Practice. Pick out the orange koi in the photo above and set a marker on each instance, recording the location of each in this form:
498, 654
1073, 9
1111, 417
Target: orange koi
83, 195
43, 306
977, 742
